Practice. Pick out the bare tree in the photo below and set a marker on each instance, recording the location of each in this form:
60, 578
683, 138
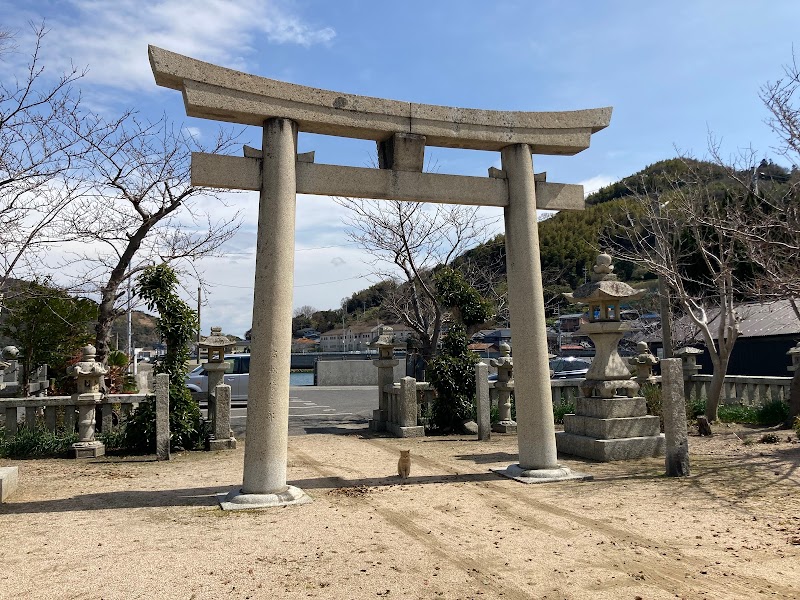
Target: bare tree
683, 236
306, 311
42, 139
141, 210
406, 241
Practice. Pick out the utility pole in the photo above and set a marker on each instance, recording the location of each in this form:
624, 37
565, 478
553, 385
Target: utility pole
129, 348
664, 301
199, 328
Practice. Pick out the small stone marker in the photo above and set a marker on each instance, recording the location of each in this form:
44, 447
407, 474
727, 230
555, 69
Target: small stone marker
482, 401
162, 416
673, 403
9, 478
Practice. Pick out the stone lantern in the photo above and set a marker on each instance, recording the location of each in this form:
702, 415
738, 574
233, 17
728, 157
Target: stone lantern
794, 353
8, 365
688, 356
604, 295
643, 362
386, 362
610, 420
504, 385
88, 374
219, 409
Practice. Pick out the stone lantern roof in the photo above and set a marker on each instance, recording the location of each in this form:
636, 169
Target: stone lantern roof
88, 365
216, 343
604, 291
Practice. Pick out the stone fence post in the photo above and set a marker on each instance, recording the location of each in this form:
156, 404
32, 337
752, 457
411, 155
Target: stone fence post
482, 401
162, 416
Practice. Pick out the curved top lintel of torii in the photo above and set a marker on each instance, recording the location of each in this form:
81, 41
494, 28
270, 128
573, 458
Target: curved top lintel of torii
222, 94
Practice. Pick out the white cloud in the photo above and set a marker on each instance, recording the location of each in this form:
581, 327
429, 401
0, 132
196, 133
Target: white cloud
593, 184
112, 37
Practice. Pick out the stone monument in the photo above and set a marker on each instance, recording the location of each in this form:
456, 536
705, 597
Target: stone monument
88, 373
401, 130
610, 421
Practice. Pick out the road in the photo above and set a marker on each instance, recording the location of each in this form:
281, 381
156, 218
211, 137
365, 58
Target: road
315, 409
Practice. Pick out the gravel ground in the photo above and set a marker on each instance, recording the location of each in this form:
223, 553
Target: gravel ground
121, 527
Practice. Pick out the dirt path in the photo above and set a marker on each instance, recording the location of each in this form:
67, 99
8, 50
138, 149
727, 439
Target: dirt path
120, 528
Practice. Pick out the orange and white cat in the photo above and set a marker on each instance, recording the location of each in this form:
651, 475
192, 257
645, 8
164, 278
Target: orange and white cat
404, 464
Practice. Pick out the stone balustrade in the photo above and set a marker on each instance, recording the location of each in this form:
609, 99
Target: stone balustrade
61, 411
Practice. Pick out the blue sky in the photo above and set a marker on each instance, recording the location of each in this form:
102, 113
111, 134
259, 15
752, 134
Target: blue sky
674, 73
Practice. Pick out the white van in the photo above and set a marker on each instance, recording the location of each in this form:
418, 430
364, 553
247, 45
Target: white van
237, 375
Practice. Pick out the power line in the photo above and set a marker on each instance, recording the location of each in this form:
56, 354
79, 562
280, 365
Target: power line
250, 287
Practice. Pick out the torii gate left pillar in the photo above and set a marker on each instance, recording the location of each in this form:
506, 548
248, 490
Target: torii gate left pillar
402, 130
264, 480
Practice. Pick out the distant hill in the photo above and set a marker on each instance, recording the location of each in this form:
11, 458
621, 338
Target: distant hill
143, 330
569, 240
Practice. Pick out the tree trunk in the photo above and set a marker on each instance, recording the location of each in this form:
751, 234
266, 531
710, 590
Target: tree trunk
715, 390
105, 320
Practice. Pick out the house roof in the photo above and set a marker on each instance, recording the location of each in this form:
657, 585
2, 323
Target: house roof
758, 319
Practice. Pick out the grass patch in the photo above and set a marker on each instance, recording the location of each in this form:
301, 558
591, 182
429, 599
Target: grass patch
37, 443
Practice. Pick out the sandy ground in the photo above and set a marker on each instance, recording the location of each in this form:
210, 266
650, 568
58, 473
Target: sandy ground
135, 528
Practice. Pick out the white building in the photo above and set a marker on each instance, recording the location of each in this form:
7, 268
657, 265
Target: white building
357, 338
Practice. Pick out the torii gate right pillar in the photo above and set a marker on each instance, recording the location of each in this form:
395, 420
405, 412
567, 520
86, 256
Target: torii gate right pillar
535, 426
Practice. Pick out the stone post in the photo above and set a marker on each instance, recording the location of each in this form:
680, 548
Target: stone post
483, 401
503, 387
673, 403
536, 430
216, 376
223, 436
88, 373
403, 411
385, 364
162, 416
265, 453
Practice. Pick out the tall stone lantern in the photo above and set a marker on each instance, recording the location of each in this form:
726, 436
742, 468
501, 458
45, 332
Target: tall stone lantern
88, 373
219, 409
610, 420
604, 295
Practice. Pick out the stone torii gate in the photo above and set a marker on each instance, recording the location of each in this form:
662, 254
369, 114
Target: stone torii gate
401, 130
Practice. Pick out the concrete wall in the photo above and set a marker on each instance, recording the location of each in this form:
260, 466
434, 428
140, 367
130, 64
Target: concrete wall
352, 372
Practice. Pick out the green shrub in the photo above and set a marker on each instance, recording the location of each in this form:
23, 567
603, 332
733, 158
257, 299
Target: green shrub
37, 443
452, 374
561, 409
652, 397
773, 413
737, 413
695, 408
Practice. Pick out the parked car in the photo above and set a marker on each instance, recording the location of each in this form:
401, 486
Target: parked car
237, 375
569, 367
